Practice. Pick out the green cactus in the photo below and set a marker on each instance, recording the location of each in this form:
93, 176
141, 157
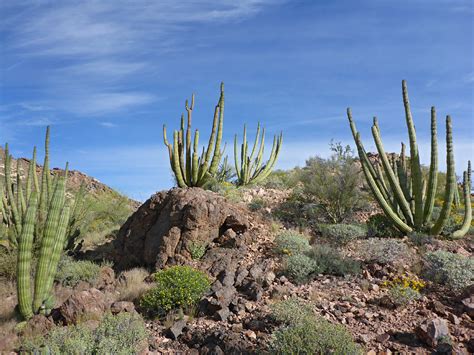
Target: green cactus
189, 167
408, 198
467, 184
250, 169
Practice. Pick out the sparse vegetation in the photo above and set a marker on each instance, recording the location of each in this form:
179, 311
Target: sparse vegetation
452, 270
331, 262
305, 333
197, 250
132, 284
291, 243
70, 272
379, 225
124, 333
340, 234
299, 267
176, 287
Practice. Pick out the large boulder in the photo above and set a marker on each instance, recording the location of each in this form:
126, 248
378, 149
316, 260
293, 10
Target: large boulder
166, 227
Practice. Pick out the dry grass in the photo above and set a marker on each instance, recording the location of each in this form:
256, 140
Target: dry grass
132, 284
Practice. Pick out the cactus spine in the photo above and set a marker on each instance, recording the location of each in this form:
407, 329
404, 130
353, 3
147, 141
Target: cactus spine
189, 167
408, 198
250, 168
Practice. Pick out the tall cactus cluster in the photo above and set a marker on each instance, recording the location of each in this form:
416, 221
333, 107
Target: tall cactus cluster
192, 168
250, 168
404, 194
39, 216
189, 167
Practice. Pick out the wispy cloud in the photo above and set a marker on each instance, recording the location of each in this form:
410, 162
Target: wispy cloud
108, 124
97, 45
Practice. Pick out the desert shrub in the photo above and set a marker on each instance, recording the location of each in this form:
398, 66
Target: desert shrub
401, 295
176, 287
300, 267
197, 250
379, 225
420, 239
342, 233
296, 211
132, 285
8, 260
70, 272
124, 333
305, 333
281, 179
330, 261
291, 243
333, 184
256, 204
291, 311
452, 270
382, 251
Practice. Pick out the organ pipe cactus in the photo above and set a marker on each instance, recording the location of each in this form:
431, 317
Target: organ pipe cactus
408, 198
467, 184
15, 195
38, 217
189, 167
50, 251
250, 168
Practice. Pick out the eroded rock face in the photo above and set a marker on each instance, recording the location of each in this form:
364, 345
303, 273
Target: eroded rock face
165, 228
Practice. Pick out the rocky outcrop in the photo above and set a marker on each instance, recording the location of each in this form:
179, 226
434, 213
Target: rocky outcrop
167, 226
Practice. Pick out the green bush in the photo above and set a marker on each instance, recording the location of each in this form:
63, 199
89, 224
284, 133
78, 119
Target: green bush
305, 333
70, 272
452, 270
178, 287
281, 179
401, 295
197, 250
256, 204
124, 333
383, 251
8, 260
291, 243
300, 267
379, 225
330, 261
291, 311
333, 184
342, 233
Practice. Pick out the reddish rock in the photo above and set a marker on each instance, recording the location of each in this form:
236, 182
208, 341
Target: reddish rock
83, 305
431, 330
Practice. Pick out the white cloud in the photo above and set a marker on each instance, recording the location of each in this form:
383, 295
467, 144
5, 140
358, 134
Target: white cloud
97, 45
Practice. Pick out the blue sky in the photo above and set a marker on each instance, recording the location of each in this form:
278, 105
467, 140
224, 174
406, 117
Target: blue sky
106, 75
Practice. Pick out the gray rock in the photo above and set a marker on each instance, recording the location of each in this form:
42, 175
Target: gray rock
431, 330
176, 329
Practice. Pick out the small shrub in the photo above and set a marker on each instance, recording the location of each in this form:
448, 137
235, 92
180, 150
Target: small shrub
452, 270
420, 239
70, 272
342, 233
8, 260
256, 204
131, 284
330, 261
383, 251
291, 243
401, 295
379, 225
124, 333
197, 250
176, 287
305, 333
291, 311
300, 267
